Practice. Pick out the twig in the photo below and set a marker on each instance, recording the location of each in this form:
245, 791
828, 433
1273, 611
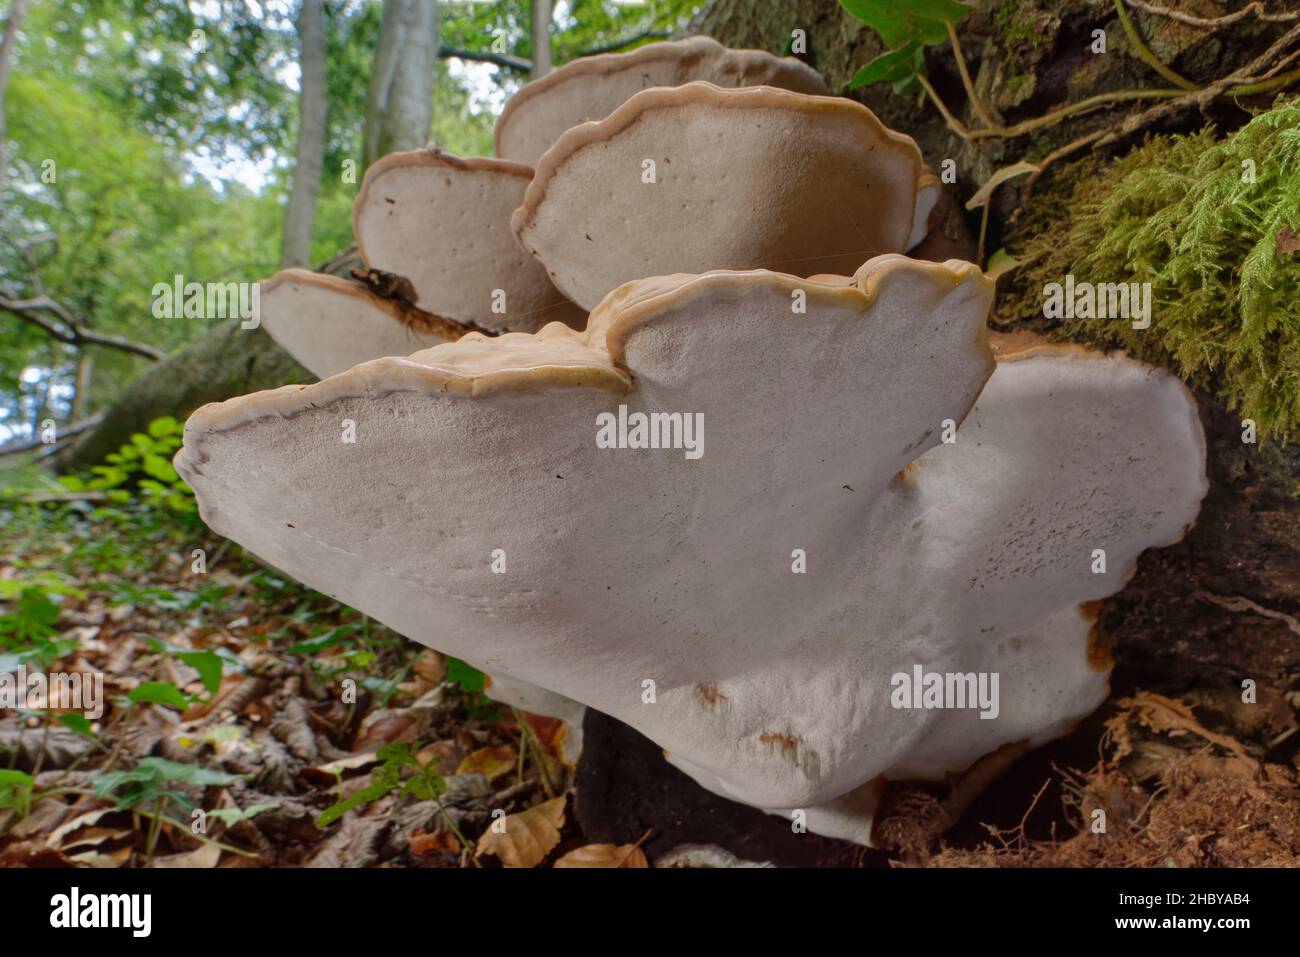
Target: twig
1144, 52
975, 103
1237, 603
76, 334
623, 43
75, 429
482, 56
1213, 23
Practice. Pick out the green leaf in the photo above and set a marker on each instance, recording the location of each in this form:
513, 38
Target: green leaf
323, 641
164, 426
902, 21
159, 692
890, 67
207, 664
1000, 263
16, 791
468, 677
141, 441
230, 816
77, 722
160, 468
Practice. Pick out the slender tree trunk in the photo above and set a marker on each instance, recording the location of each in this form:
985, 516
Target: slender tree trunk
16, 13
393, 30
81, 389
300, 213
410, 101
541, 38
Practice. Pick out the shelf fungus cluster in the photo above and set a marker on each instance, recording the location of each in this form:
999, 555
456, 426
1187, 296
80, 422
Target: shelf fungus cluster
893, 506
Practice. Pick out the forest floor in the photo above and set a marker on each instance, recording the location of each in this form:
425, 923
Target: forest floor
248, 721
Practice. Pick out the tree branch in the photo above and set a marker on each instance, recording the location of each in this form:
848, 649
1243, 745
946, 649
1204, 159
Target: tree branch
520, 65
623, 43
481, 56
30, 310
63, 434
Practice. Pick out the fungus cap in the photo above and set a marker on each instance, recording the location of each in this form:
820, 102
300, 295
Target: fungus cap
443, 223
329, 324
695, 177
773, 685
590, 88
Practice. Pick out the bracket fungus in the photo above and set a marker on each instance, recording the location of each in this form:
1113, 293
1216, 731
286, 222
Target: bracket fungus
590, 88
696, 177
443, 223
329, 324
838, 532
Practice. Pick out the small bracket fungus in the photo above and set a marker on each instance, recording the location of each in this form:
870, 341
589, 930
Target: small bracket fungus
443, 223
590, 88
329, 324
773, 689
746, 178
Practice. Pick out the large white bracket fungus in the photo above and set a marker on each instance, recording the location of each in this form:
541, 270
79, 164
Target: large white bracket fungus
590, 88
830, 437
695, 177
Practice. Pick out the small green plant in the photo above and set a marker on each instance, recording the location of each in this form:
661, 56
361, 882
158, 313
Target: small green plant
423, 783
151, 782
16, 788
143, 464
906, 27
27, 632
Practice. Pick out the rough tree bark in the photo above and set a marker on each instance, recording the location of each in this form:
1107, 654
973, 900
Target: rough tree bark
393, 27
300, 212
408, 103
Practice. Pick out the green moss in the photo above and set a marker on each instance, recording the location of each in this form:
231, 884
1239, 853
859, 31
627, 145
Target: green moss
1183, 214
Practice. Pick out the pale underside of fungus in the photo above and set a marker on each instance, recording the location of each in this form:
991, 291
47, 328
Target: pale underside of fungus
438, 227
837, 530
590, 88
733, 178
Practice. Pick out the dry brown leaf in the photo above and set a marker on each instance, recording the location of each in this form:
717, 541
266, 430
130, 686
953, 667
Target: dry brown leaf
204, 856
491, 762
605, 855
524, 839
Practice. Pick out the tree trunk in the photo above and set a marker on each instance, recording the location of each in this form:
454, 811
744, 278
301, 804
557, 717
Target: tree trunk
300, 213
409, 108
541, 38
16, 13
393, 29
226, 362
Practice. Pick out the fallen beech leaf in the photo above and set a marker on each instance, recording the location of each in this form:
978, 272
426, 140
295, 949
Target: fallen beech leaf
604, 855
204, 856
423, 843
524, 839
492, 762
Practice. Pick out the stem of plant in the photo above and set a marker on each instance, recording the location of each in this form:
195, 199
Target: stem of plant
154, 827
975, 103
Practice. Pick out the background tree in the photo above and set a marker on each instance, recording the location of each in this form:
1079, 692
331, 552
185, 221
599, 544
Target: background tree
300, 211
